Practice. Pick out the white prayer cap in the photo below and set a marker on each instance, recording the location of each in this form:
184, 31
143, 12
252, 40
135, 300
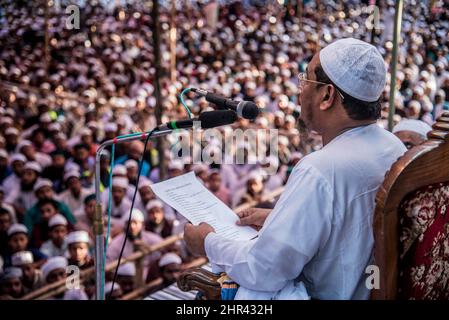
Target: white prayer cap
78, 236
3, 154
356, 67
169, 258
45, 117
131, 163
417, 126
137, 215
175, 165
108, 287
41, 183
256, 176
85, 132
21, 258
144, 182
200, 167
119, 169
154, 204
120, 182
72, 166
127, 269
33, 165
23, 143
57, 220
18, 157
283, 140
17, 228
110, 127
11, 273
71, 174
11, 131
55, 126
53, 264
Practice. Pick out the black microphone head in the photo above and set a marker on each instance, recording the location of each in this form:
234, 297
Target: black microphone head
248, 110
211, 119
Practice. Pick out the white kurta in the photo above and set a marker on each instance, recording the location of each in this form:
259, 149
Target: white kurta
320, 232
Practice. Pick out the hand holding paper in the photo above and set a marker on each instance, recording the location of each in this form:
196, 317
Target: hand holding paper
197, 204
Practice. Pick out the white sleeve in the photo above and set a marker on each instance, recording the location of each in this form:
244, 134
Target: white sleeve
296, 229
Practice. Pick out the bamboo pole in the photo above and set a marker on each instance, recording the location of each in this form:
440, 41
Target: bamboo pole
394, 60
157, 88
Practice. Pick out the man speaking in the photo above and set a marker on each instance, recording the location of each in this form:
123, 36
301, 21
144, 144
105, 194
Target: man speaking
319, 237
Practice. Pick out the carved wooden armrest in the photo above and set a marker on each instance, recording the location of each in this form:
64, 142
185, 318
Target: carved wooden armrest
202, 280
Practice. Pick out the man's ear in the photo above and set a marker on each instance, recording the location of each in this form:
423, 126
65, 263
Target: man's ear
328, 99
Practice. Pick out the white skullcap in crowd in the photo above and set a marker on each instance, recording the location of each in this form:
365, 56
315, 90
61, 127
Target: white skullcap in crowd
110, 127
169, 258
71, 174
417, 126
127, 269
53, 264
119, 169
137, 215
175, 165
17, 228
120, 182
78, 236
144, 182
18, 157
11, 273
57, 220
108, 287
40, 183
3, 154
356, 67
154, 204
33, 165
21, 258
131, 163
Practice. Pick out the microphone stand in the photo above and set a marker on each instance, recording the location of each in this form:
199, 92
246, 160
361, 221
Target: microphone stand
98, 217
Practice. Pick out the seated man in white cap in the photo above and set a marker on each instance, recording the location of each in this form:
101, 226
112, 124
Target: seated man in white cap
318, 240
11, 182
18, 240
74, 196
57, 232
48, 208
11, 286
54, 270
170, 267
78, 249
44, 191
32, 277
126, 275
120, 203
156, 221
137, 237
411, 132
22, 196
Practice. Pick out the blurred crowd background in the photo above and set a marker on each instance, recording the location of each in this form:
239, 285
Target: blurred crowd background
65, 91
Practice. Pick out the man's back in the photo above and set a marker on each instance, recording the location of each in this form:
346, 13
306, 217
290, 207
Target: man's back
354, 165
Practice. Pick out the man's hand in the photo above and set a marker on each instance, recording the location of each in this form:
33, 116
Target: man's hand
194, 237
253, 217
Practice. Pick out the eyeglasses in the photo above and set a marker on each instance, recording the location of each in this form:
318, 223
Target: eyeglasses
303, 78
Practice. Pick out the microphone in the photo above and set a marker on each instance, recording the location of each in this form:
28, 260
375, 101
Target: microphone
209, 119
244, 109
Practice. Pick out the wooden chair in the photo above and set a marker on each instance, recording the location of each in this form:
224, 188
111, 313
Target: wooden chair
411, 222
421, 174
